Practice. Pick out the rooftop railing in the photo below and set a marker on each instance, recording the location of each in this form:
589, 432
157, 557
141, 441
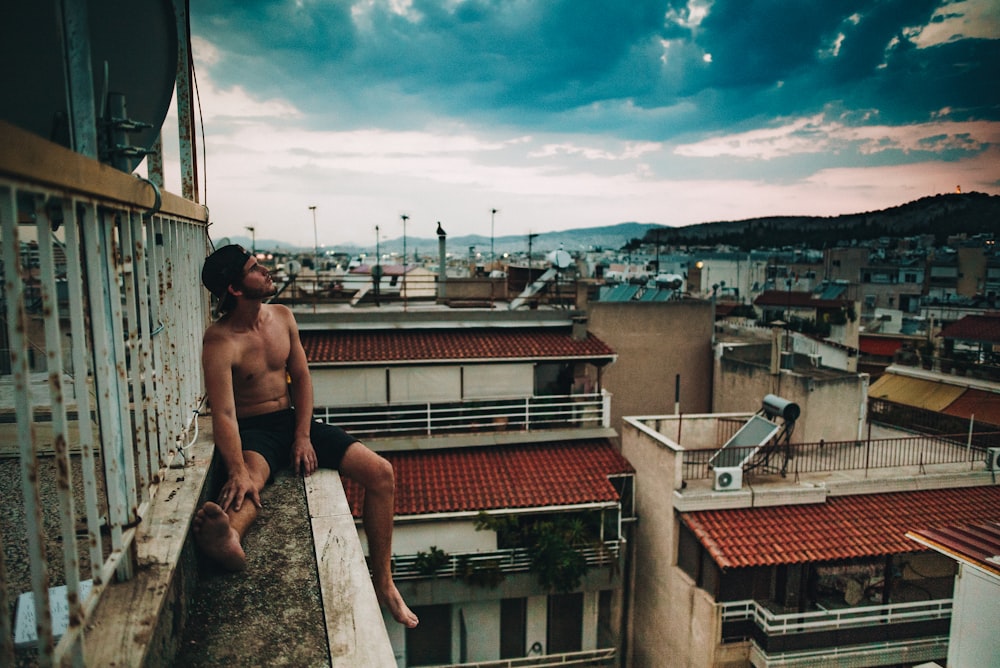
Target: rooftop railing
499, 414
854, 455
102, 318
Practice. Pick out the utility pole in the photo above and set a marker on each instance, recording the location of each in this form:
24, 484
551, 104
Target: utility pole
493, 256
315, 245
405, 218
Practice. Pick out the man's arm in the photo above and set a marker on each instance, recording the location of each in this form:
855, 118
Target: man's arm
216, 361
301, 390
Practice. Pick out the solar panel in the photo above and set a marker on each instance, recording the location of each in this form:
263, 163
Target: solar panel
745, 443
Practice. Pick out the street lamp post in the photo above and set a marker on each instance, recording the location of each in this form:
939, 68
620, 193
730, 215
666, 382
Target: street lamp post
405, 218
377, 269
493, 257
253, 239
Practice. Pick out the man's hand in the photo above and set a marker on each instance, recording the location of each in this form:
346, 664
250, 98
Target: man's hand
303, 456
237, 489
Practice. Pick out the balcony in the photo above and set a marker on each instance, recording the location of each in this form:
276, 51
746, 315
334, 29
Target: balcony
579, 415
882, 634
470, 565
102, 316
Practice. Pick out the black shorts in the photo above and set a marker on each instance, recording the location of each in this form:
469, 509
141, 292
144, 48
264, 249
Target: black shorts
271, 436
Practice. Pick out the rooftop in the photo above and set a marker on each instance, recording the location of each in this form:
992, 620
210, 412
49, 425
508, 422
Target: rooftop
467, 480
845, 527
383, 345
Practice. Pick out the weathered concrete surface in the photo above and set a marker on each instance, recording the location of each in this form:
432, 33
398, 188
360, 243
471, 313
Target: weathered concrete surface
272, 613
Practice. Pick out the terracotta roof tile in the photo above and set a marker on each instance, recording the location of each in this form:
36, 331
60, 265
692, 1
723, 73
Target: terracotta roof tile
844, 527
985, 328
796, 298
488, 478
975, 543
341, 346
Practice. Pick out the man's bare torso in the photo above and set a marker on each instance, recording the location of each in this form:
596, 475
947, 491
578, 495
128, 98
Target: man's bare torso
259, 357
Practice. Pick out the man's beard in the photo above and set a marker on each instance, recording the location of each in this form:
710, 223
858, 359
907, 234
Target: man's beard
260, 293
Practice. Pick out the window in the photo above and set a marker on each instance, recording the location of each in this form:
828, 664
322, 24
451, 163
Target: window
513, 627
565, 624
430, 642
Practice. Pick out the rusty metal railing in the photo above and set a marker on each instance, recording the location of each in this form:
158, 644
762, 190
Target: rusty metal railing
102, 316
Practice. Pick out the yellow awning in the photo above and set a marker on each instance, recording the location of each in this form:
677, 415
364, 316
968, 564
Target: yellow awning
927, 394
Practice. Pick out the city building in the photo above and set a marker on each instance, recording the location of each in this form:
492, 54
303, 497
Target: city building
513, 505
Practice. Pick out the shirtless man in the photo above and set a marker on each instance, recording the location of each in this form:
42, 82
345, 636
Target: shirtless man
261, 397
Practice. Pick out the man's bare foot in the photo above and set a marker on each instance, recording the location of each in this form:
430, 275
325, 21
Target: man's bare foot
217, 538
390, 597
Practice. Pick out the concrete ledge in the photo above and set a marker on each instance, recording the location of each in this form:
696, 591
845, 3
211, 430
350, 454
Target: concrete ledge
354, 623
140, 622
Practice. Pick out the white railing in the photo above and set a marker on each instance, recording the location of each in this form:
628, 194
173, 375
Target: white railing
828, 620
497, 414
594, 657
513, 560
101, 274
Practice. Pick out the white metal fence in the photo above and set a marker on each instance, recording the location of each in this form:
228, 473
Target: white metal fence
497, 414
102, 316
511, 560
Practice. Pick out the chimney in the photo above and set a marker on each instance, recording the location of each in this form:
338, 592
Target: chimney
579, 331
442, 262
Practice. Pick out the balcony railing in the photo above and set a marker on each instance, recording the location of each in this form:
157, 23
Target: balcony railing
500, 414
592, 658
102, 316
856, 455
881, 628
467, 565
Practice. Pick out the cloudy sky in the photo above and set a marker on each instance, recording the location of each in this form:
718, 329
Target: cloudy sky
581, 113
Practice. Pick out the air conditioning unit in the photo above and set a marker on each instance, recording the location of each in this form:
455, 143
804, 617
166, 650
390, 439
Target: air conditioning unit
728, 478
993, 459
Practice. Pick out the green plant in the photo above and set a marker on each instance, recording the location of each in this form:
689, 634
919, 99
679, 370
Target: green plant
554, 544
428, 563
482, 574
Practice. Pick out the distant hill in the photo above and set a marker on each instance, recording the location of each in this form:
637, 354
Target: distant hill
611, 237
940, 215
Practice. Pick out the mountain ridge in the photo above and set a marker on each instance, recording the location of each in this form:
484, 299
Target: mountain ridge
942, 215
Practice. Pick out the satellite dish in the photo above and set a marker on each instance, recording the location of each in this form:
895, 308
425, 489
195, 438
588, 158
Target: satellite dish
293, 267
560, 259
135, 41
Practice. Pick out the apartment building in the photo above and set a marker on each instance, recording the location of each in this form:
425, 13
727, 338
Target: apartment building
778, 551
513, 505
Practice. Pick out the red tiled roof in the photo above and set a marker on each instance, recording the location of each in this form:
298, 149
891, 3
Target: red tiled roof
796, 298
975, 543
352, 346
489, 478
844, 527
978, 405
985, 328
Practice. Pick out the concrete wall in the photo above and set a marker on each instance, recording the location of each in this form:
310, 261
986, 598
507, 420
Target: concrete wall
977, 598
655, 342
833, 404
673, 622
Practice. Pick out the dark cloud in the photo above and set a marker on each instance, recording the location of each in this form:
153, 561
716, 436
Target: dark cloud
602, 64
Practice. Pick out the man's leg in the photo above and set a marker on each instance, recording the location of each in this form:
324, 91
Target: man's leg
375, 474
220, 534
